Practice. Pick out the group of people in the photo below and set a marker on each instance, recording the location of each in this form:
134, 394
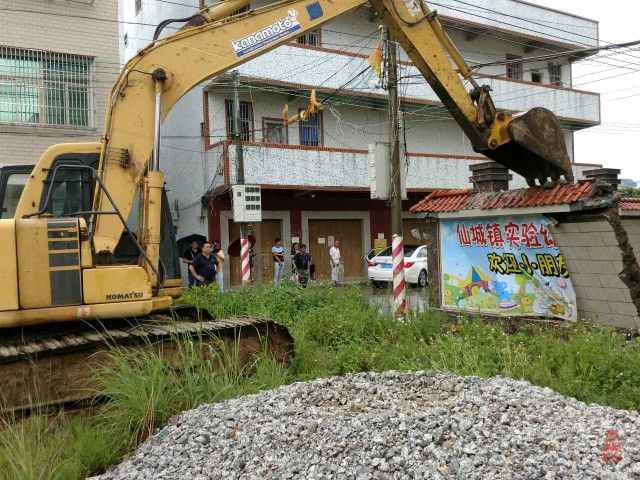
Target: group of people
302, 268
205, 264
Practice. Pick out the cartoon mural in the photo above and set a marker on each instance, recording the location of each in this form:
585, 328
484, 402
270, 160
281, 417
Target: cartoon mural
506, 265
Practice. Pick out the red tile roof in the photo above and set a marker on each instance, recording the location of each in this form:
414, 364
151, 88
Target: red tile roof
456, 200
629, 204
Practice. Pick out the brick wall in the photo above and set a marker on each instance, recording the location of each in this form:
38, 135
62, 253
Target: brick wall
56, 26
594, 260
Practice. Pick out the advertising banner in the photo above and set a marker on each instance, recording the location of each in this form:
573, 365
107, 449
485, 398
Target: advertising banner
505, 265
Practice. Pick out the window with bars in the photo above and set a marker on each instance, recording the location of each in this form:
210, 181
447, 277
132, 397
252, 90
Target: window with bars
246, 120
274, 132
514, 67
555, 75
38, 87
312, 37
244, 9
311, 131
536, 77
138, 6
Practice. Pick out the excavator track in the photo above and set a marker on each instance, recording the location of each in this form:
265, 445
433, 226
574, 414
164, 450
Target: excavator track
45, 369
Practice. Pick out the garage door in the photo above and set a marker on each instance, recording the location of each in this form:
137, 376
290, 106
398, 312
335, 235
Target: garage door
265, 233
349, 234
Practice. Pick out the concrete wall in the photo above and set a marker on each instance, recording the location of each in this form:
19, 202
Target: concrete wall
632, 226
595, 261
67, 28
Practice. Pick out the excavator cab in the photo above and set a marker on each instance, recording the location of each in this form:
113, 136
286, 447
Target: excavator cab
73, 192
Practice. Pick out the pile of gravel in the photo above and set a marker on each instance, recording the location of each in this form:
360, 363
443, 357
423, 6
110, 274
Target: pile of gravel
391, 425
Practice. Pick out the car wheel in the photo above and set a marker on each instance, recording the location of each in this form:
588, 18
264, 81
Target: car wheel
422, 279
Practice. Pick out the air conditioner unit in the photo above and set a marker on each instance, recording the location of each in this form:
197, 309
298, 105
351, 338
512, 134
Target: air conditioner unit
247, 203
379, 166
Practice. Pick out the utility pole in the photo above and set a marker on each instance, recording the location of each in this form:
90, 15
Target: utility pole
397, 245
394, 139
237, 131
237, 134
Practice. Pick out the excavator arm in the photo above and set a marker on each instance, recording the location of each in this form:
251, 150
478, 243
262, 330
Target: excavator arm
213, 42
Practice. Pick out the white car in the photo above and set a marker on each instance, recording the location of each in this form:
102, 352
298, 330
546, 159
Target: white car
415, 266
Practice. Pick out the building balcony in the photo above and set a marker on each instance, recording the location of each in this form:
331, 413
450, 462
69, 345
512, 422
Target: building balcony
506, 18
313, 66
309, 168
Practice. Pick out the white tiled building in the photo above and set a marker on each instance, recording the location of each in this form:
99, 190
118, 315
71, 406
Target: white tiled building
314, 176
58, 61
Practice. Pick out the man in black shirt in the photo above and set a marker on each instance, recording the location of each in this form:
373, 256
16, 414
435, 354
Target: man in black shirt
189, 256
204, 266
302, 260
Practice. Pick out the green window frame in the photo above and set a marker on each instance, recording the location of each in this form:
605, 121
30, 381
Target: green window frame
45, 88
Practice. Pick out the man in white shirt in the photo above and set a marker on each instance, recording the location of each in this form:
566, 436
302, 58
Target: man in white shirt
277, 252
334, 253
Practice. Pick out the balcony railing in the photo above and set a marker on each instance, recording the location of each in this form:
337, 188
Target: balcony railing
309, 67
295, 167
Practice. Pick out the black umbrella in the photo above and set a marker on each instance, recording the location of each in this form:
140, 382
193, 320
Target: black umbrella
185, 242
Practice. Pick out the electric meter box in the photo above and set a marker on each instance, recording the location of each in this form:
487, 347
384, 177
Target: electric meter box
379, 166
247, 203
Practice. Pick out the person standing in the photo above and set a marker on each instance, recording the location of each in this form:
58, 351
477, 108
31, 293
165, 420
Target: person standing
252, 261
189, 255
204, 266
334, 253
277, 252
302, 261
294, 251
217, 251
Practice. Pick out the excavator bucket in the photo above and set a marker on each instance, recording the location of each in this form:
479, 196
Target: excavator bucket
537, 148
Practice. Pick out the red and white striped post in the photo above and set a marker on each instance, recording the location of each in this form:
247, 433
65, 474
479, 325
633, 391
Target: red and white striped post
399, 299
244, 255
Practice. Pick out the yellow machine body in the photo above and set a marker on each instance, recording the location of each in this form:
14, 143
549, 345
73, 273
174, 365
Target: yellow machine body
48, 262
8, 266
111, 284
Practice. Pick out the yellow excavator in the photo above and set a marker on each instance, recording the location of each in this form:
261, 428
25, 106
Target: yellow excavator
58, 261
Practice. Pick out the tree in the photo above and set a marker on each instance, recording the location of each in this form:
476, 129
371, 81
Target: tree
629, 192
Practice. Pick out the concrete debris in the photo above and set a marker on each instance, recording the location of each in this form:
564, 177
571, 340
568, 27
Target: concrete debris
407, 426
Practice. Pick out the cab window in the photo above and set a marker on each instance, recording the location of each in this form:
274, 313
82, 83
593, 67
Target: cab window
12, 191
67, 193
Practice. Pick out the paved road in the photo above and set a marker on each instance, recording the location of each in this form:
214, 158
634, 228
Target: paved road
416, 298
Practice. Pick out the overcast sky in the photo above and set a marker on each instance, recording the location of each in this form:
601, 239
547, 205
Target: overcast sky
616, 142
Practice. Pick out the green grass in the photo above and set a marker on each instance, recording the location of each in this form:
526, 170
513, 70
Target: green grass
336, 331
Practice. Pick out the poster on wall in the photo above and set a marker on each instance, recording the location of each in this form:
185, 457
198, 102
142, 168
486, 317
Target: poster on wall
505, 265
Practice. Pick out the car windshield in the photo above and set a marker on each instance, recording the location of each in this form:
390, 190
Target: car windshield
408, 251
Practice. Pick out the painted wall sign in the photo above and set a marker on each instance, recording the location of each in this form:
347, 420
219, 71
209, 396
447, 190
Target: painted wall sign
507, 265
274, 32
